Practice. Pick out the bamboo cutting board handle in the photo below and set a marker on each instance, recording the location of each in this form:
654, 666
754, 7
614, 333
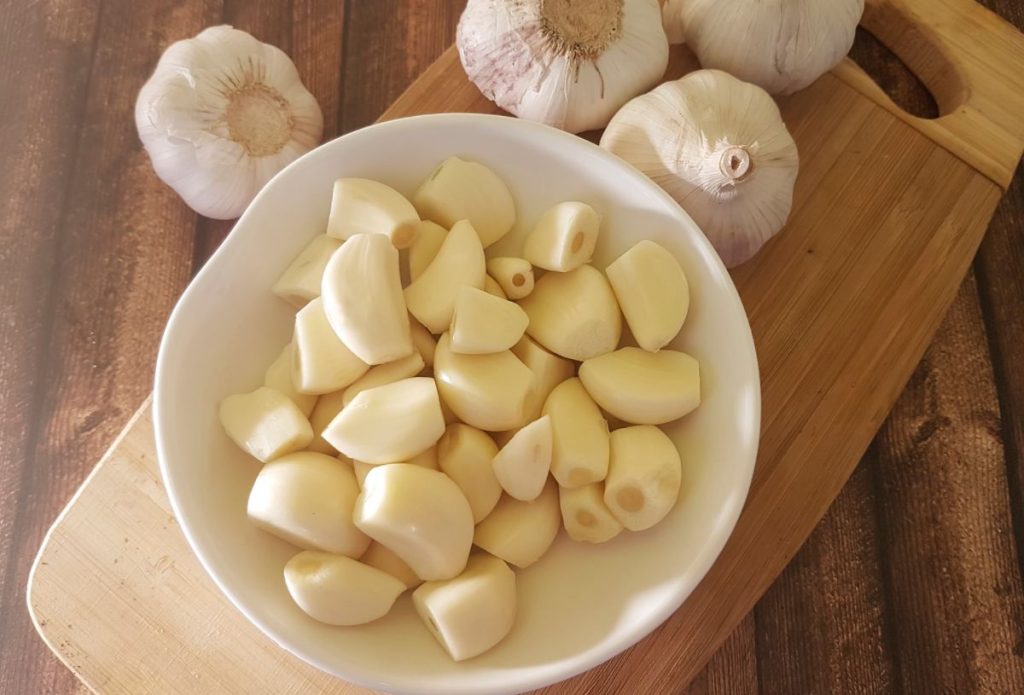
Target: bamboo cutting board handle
958, 49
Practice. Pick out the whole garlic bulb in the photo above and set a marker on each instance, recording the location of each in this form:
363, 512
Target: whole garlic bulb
567, 63
719, 147
780, 45
221, 114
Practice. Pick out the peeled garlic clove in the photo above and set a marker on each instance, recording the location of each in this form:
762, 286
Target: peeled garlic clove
491, 286
489, 392
567, 64
579, 436
423, 342
523, 464
472, 612
644, 388
786, 46
564, 238
464, 454
427, 459
362, 206
308, 499
643, 477
389, 423
719, 147
429, 237
338, 590
462, 190
652, 292
279, 377
362, 297
221, 115
521, 532
418, 514
381, 558
459, 262
321, 363
326, 409
548, 372
265, 423
483, 323
585, 516
513, 275
301, 281
574, 314
361, 468
387, 373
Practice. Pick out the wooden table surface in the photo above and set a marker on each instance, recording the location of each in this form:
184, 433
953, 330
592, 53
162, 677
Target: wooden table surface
912, 582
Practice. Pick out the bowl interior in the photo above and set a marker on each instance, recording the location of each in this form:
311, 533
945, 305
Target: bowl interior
580, 604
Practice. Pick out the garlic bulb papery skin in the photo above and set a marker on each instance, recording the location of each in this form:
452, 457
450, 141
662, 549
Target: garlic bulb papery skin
719, 147
221, 115
567, 63
780, 45
672, 19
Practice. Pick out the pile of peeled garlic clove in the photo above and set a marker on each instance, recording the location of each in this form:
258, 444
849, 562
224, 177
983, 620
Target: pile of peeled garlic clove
439, 416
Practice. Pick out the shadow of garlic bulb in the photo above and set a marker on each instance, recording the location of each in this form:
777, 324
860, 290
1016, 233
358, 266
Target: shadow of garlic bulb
567, 63
221, 114
719, 147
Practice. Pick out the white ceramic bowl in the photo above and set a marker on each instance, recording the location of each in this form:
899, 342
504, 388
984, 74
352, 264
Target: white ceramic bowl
581, 604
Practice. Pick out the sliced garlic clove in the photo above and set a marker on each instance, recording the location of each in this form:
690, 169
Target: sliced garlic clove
279, 377
387, 373
389, 423
523, 464
564, 238
464, 454
521, 532
643, 477
321, 363
472, 612
514, 275
423, 342
462, 190
429, 237
643, 388
362, 206
338, 590
574, 314
308, 499
326, 409
489, 392
652, 292
548, 372
491, 286
585, 516
301, 281
418, 514
459, 262
579, 435
362, 297
265, 423
483, 323
381, 558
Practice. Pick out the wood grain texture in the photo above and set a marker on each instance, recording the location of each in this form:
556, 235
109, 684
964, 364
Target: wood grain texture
799, 641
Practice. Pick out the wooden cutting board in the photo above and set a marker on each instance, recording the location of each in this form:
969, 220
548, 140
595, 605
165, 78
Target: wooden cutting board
889, 211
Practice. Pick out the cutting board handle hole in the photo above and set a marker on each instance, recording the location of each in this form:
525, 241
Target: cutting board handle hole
908, 62
893, 76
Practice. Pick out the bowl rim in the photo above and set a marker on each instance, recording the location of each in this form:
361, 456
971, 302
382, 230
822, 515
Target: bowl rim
526, 679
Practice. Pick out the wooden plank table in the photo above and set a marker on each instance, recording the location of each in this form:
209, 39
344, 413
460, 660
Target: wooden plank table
912, 582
